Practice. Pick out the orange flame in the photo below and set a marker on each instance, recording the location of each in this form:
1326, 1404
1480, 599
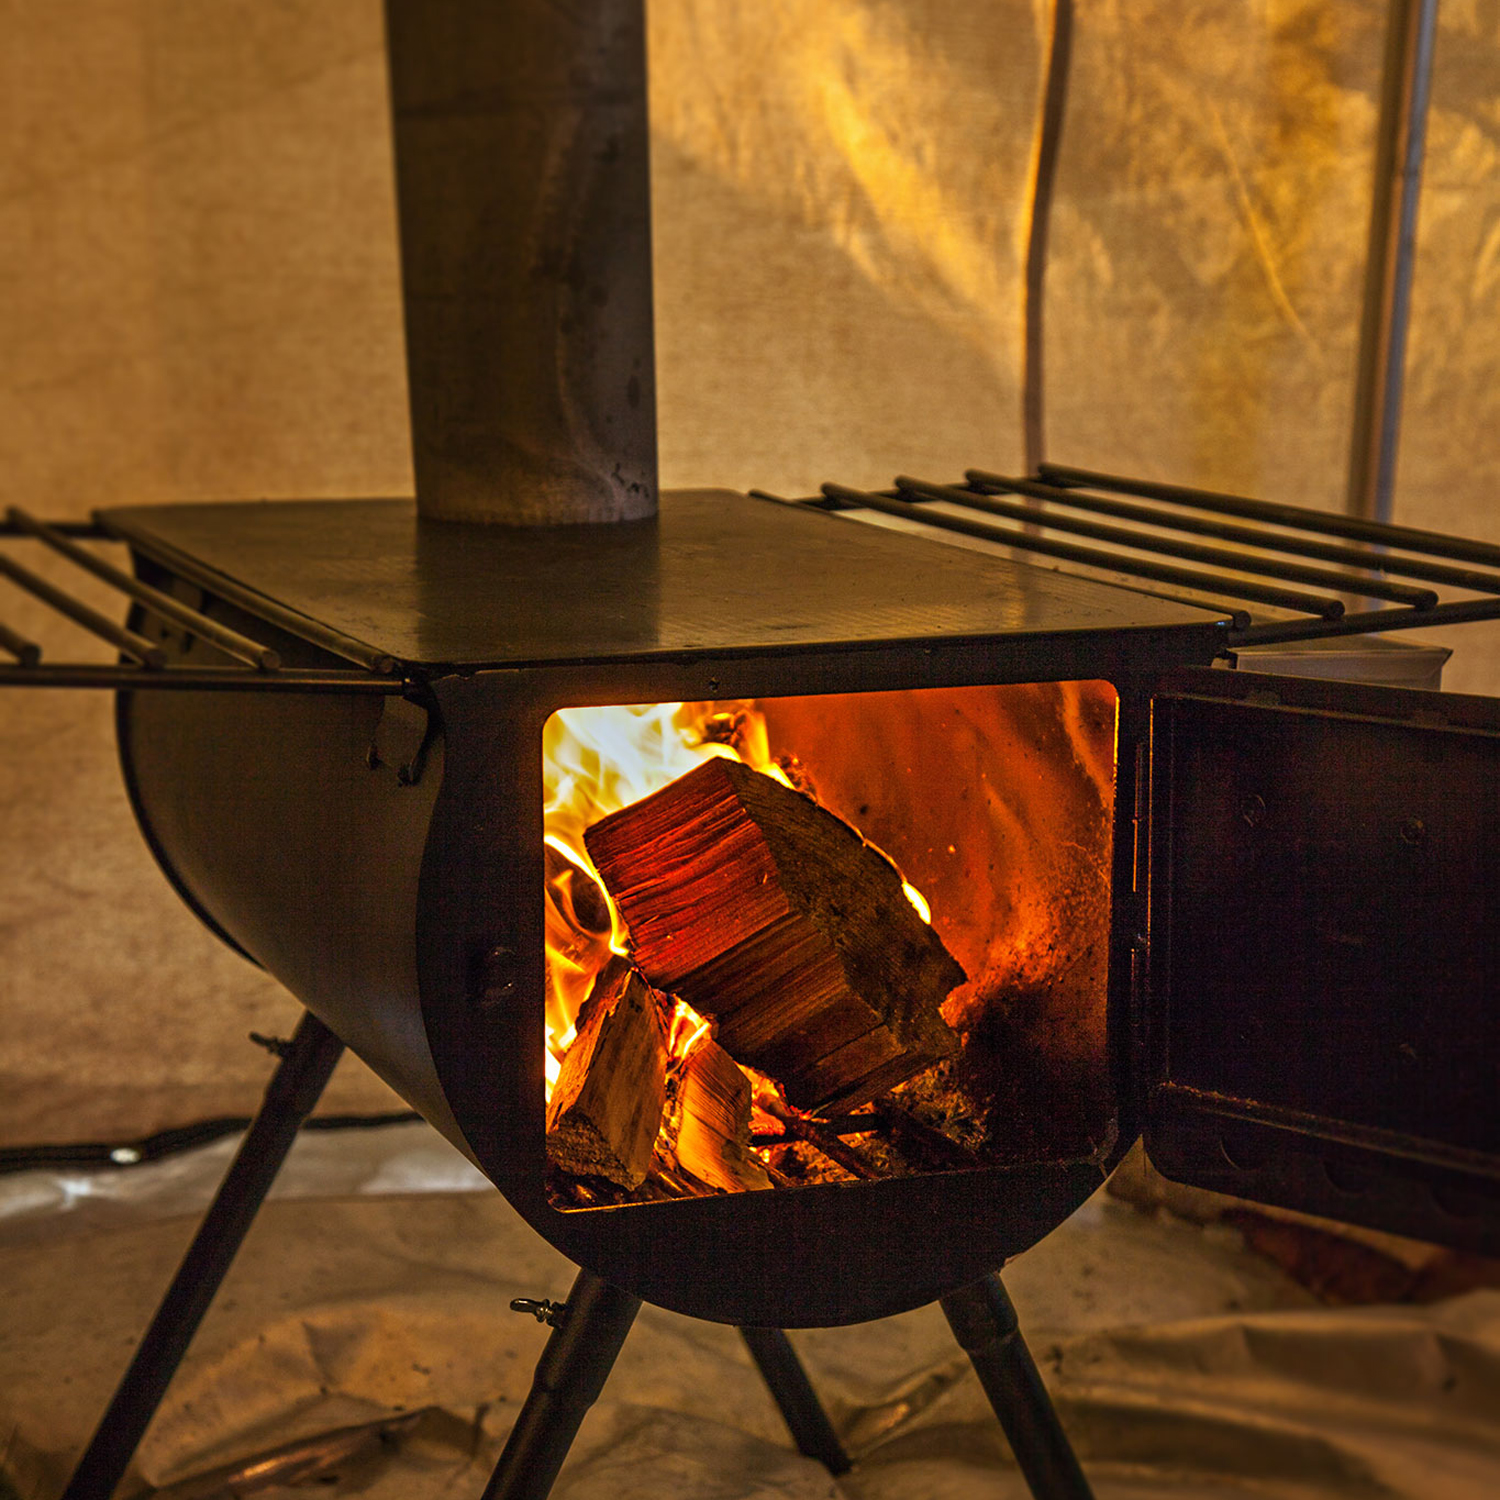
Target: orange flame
596, 761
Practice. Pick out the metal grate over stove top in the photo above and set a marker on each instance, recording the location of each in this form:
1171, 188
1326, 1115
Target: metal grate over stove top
1277, 573
1082, 518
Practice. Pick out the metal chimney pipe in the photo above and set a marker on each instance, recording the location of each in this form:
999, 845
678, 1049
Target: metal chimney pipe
523, 193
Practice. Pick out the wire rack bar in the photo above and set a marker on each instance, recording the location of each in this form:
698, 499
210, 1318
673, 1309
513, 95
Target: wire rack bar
1216, 557
202, 679
82, 530
1300, 544
1382, 533
135, 646
1188, 578
304, 627
148, 664
1367, 622
232, 642
28, 653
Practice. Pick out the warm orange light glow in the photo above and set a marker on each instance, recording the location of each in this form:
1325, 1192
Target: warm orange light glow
688, 1029
918, 901
999, 804
594, 762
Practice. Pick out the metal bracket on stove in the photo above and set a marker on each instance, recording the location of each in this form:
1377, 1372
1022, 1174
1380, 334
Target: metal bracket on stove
402, 739
543, 1309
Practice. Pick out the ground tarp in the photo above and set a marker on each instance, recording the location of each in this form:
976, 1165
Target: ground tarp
1182, 1364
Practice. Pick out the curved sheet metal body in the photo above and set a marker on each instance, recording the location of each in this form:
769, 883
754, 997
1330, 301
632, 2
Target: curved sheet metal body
270, 823
408, 914
409, 919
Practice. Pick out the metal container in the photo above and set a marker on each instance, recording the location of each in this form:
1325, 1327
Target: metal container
1303, 927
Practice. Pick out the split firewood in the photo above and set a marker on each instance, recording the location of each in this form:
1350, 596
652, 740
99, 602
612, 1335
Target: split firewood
713, 1136
774, 919
607, 1105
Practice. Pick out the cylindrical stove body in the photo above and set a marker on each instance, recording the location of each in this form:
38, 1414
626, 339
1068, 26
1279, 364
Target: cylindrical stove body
408, 914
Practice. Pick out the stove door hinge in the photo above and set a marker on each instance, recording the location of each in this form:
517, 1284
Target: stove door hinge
1140, 973
402, 739
1140, 822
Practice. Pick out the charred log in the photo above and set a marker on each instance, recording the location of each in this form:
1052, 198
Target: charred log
926, 1144
830, 1145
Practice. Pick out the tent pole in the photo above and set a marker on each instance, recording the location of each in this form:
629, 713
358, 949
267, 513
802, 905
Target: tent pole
1401, 139
1048, 143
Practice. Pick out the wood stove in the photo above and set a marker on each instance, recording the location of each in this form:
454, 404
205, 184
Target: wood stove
1284, 860
1266, 907
334, 743
406, 906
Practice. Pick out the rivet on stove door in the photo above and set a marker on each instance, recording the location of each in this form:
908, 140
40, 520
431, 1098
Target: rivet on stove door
1413, 831
1252, 810
495, 982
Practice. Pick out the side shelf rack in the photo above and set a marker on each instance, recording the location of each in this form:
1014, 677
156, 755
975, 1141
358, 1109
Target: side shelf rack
143, 663
1282, 572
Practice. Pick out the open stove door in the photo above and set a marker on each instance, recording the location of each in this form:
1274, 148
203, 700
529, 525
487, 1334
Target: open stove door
1319, 1025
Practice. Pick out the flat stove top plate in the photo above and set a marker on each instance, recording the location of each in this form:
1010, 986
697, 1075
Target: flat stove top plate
716, 572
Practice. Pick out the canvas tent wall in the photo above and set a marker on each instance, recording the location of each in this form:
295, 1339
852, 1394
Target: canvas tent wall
199, 297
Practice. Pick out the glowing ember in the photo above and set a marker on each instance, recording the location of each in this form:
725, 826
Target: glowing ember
917, 900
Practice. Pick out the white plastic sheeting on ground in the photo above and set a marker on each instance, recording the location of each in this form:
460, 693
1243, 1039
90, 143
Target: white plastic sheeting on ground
1183, 1365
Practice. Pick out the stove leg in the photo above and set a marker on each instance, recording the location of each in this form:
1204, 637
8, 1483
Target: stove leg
294, 1089
793, 1392
587, 1336
983, 1319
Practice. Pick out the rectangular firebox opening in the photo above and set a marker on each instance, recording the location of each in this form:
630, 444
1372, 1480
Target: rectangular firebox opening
811, 940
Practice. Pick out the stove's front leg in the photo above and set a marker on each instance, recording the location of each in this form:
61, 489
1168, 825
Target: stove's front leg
588, 1332
983, 1319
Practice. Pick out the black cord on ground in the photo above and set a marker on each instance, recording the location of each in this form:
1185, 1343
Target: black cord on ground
121, 1155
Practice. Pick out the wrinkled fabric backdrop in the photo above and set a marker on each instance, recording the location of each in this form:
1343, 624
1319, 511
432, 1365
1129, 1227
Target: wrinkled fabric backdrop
199, 300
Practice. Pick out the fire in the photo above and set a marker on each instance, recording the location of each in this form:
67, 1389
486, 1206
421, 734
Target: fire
687, 1030
594, 762
1000, 803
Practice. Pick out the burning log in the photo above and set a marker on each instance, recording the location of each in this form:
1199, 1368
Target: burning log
828, 1144
713, 1139
606, 1108
775, 919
